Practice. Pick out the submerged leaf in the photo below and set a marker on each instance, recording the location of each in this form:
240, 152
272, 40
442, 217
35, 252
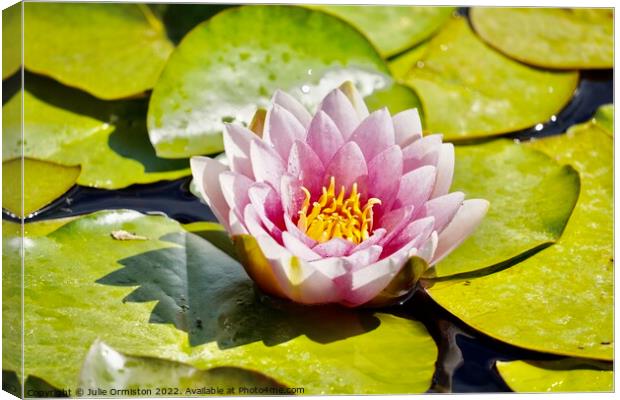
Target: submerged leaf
469, 90
560, 300
231, 64
109, 50
568, 38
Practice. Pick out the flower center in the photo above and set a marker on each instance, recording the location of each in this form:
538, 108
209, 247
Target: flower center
333, 216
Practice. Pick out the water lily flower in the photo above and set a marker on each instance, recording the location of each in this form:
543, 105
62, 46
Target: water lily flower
331, 207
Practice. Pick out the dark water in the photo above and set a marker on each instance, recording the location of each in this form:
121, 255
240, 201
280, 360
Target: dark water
466, 357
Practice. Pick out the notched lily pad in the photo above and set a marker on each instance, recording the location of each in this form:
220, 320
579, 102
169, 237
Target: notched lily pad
232, 63
565, 375
531, 195
109, 50
392, 29
469, 90
81, 285
560, 300
552, 37
70, 128
43, 183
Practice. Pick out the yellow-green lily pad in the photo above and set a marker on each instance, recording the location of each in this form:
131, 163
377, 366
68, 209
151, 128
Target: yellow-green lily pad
552, 37
172, 295
531, 198
469, 90
43, 181
108, 140
392, 29
565, 375
560, 300
604, 118
11, 40
402, 64
109, 50
231, 64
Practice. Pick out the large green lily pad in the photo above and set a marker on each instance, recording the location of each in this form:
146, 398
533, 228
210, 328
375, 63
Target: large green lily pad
39, 188
565, 375
568, 38
11, 40
392, 29
109, 50
469, 90
172, 295
231, 64
108, 140
604, 118
560, 300
531, 196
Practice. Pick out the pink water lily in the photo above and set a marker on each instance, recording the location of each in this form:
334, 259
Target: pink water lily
328, 208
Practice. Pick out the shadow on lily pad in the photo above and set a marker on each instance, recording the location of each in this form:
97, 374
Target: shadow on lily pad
203, 291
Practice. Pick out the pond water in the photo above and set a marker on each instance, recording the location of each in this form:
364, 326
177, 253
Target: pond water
466, 357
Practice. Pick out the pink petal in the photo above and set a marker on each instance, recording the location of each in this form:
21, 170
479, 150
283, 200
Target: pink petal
289, 103
335, 247
356, 99
375, 237
360, 259
422, 152
341, 111
235, 189
267, 165
282, 129
415, 234
445, 170
347, 166
394, 222
407, 127
416, 187
206, 173
295, 231
463, 224
291, 194
374, 134
267, 205
324, 137
443, 209
298, 248
237, 141
305, 165
384, 172
427, 250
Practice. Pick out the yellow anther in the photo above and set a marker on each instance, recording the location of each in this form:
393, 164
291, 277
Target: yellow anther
333, 215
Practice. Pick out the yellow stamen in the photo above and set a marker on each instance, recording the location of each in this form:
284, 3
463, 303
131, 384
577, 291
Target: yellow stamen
334, 216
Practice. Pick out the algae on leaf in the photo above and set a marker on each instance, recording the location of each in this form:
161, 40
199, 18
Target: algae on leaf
469, 90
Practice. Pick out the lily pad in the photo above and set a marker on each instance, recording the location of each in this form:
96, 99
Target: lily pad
397, 98
70, 128
555, 376
560, 300
402, 64
531, 196
39, 189
469, 90
392, 29
11, 40
231, 64
172, 295
109, 50
567, 38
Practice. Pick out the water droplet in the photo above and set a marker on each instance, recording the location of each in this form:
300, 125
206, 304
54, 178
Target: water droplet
305, 89
420, 64
550, 89
310, 71
554, 118
517, 141
538, 127
443, 47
